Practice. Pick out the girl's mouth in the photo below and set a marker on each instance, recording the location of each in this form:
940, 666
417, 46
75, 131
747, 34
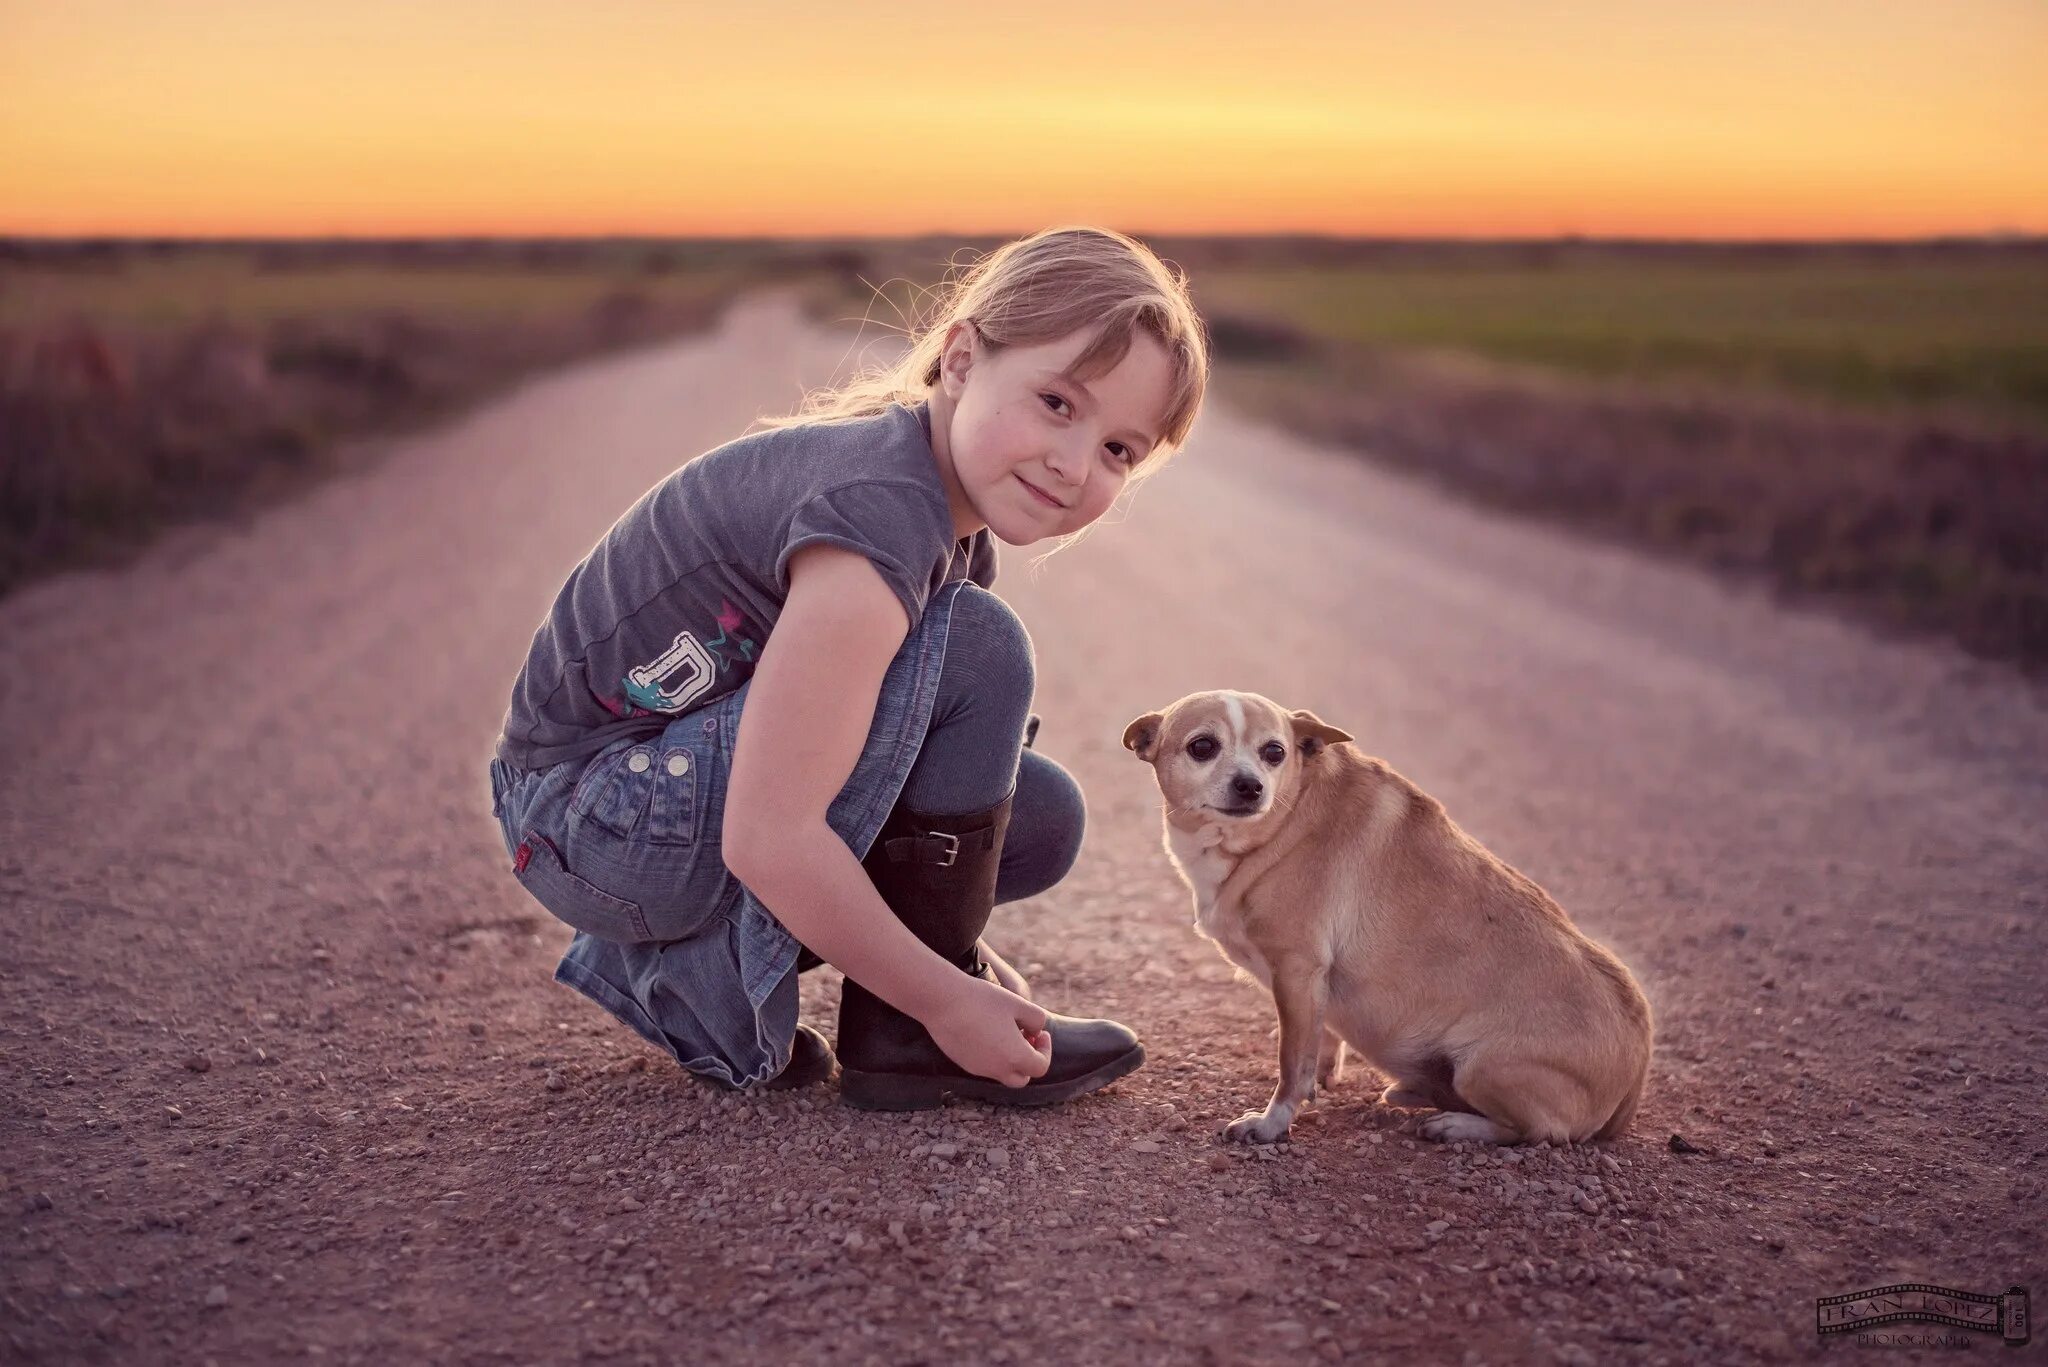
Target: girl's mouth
1041, 495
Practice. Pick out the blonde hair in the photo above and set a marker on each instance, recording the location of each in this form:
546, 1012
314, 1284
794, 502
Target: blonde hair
1039, 289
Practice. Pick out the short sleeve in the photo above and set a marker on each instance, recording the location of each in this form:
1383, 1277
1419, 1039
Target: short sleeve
898, 527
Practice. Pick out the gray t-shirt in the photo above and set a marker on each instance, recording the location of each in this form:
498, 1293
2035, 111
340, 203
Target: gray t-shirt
670, 610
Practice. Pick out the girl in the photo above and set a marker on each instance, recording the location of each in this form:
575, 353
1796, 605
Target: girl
776, 717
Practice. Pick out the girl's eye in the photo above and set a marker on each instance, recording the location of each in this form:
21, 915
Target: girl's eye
1202, 747
1273, 752
1125, 461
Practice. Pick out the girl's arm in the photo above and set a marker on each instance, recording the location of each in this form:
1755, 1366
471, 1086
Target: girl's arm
807, 716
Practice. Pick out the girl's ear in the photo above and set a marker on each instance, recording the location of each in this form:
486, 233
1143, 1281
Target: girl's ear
1312, 733
1142, 736
956, 357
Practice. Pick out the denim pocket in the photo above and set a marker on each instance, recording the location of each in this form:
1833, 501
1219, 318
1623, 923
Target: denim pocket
538, 866
642, 823
655, 792
613, 790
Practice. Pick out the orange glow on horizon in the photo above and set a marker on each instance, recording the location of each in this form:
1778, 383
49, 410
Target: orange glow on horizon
1835, 118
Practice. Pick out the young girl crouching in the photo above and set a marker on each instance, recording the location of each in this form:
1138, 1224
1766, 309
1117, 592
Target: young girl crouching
776, 716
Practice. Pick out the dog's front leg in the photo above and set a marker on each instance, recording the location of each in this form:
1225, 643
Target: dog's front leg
1299, 992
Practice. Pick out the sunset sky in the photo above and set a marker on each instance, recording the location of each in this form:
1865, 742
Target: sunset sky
1470, 117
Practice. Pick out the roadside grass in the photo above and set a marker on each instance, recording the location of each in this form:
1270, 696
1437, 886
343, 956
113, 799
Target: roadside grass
1893, 335
143, 385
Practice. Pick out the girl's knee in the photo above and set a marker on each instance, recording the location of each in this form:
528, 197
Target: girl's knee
1045, 784
1048, 819
984, 627
1065, 850
1073, 815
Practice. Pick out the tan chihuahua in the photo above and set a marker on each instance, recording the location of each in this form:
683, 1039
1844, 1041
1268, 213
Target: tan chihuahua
1376, 922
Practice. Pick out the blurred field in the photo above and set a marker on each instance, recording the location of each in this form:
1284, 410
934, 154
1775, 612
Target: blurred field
1895, 333
170, 288
1898, 328
143, 384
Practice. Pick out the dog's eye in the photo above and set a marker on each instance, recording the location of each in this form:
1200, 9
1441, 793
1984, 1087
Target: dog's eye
1273, 752
1202, 747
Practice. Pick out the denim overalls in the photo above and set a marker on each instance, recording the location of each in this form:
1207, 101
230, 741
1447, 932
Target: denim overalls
624, 847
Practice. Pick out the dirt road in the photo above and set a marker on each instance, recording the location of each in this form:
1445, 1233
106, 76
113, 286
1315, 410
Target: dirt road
285, 1076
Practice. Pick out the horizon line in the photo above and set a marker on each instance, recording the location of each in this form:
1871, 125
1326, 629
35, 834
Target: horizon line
1980, 235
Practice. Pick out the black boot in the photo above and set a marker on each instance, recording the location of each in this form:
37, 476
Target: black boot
938, 874
810, 1060
806, 961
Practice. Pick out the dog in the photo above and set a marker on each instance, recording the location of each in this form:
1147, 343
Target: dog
1377, 923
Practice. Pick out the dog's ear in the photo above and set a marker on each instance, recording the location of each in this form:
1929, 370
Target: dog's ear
1312, 733
1142, 735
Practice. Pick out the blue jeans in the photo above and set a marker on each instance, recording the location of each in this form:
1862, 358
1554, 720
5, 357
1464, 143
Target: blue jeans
625, 848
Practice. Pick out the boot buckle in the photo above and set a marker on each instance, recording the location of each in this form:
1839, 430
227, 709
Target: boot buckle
952, 847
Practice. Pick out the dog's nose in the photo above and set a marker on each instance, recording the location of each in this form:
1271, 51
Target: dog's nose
1246, 787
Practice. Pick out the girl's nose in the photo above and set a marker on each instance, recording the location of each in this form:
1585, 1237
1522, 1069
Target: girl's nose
1065, 463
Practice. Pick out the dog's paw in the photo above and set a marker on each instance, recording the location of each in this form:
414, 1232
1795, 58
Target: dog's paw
1257, 1127
1447, 1127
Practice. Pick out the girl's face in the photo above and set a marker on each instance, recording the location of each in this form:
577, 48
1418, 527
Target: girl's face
1030, 453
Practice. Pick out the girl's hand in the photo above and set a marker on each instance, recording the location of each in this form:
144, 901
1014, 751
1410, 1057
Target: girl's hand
992, 1032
